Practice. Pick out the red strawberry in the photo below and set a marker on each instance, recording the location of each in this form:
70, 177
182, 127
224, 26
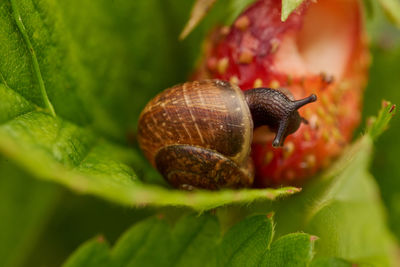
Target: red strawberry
321, 48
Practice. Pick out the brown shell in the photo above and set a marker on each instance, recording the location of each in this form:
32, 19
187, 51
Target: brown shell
188, 167
212, 114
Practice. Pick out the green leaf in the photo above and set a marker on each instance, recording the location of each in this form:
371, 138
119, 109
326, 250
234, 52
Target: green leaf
25, 208
56, 56
199, 10
368, 8
22, 30
194, 242
225, 12
93, 253
392, 10
88, 63
235, 8
251, 236
145, 243
288, 6
152, 243
290, 250
330, 262
379, 124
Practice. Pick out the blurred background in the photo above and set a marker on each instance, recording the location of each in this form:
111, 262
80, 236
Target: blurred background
43, 223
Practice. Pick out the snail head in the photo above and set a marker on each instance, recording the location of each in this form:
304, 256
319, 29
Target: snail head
276, 110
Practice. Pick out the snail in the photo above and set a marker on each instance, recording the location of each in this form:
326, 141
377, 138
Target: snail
198, 134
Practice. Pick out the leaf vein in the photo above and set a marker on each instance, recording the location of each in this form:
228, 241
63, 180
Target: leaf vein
243, 244
88, 150
189, 241
16, 117
36, 67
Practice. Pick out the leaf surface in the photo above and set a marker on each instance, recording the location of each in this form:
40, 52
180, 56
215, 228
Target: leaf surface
93, 253
194, 241
225, 12
288, 6
290, 250
330, 262
199, 10
251, 236
392, 10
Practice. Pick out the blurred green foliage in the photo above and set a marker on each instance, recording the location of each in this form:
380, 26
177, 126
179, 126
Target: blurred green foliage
77, 219
384, 84
38, 217
26, 206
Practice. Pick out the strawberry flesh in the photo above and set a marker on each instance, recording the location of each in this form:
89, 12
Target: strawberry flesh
319, 49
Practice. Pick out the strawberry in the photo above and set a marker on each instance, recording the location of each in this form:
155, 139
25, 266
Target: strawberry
321, 48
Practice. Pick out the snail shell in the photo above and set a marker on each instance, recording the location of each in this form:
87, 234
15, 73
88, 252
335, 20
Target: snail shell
198, 134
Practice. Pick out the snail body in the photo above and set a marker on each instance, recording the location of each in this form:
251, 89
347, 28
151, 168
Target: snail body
198, 134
